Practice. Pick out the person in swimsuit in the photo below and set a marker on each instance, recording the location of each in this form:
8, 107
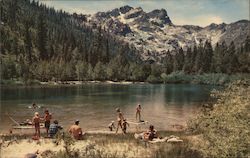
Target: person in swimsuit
151, 133
47, 118
36, 122
120, 118
76, 131
138, 112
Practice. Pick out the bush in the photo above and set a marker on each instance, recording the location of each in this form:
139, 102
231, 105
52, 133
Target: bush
153, 79
224, 126
178, 77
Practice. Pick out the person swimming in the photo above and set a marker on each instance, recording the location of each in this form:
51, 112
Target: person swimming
120, 118
34, 106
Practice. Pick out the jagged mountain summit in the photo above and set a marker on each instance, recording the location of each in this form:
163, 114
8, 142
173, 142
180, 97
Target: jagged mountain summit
154, 33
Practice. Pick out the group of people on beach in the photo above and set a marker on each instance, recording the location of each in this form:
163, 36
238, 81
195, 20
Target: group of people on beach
52, 128
76, 131
122, 123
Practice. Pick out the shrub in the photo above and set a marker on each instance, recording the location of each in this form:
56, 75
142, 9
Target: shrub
153, 79
178, 77
225, 125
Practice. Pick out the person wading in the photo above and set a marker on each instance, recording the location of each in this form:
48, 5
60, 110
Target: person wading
138, 112
120, 118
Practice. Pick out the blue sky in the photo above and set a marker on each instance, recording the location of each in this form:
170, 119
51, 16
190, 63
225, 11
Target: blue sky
195, 12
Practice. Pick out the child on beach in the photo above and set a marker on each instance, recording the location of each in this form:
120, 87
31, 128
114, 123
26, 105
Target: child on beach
36, 122
111, 126
124, 126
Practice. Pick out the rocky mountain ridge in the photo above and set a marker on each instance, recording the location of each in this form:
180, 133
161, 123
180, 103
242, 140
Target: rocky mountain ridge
154, 33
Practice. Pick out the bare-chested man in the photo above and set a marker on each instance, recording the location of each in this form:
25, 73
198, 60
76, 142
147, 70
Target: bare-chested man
76, 131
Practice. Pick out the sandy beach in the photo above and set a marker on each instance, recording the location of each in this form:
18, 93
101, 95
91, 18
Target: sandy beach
106, 144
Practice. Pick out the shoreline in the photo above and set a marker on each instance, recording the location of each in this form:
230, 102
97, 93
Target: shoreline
216, 79
108, 82
69, 83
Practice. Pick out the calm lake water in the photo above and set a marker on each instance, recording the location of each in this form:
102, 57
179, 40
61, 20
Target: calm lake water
94, 104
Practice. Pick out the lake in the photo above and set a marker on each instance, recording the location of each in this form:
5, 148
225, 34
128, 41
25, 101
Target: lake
163, 105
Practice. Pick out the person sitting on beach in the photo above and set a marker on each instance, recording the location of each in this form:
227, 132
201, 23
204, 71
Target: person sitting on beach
120, 118
76, 131
54, 128
111, 126
138, 112
150, 134
36, 122
124, 126
47, 118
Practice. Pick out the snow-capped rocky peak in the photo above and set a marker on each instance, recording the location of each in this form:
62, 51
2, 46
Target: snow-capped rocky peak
154, 34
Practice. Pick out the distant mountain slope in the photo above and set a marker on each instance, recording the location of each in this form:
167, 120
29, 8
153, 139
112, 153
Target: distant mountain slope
155, 34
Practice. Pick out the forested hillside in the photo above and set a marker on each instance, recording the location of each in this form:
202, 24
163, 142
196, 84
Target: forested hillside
38, 42
41, 43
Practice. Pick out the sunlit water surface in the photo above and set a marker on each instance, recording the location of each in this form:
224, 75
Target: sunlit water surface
94, 104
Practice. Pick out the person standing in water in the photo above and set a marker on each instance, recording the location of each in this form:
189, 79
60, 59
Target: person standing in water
138, 112
47, 118
120, 118
36, 122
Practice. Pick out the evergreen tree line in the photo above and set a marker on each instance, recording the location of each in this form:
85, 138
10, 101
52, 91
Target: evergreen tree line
40, 43
204, 59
